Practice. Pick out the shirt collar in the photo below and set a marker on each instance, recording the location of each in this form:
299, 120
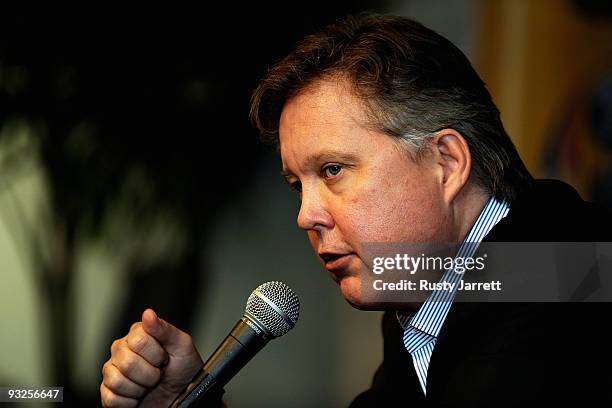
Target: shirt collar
493, 212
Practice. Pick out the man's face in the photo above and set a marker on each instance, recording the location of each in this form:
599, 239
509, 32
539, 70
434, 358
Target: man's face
357, 185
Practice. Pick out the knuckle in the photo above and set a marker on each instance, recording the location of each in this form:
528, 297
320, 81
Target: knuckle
127, 364
113, 380
115, 345
111, 400
105, 368
138, 341
106, 396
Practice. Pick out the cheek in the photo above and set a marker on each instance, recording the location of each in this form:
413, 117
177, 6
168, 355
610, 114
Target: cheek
420, 214
366, 215
394, 212
313, 237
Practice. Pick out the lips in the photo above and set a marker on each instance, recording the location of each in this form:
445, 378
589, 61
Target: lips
336, 261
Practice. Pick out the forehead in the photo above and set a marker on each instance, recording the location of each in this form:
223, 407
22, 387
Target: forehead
327, 113
328, 99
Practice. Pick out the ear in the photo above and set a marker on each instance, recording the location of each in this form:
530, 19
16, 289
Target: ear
454, 161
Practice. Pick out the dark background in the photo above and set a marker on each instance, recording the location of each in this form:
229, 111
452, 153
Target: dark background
131, 178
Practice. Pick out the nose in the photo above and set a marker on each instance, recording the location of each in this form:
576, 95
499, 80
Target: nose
314, 214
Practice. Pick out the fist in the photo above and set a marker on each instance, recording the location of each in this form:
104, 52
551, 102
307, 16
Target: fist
149, 366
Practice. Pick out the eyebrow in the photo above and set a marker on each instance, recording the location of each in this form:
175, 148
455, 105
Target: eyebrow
323, 156
286, 175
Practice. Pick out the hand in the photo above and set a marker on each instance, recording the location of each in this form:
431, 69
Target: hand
149, 366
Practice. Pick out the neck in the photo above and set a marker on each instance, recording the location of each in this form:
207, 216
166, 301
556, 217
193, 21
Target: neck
466, 208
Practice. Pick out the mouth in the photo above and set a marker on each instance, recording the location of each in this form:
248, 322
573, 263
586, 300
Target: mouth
336, 262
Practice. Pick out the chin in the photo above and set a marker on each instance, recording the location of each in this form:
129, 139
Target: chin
350, 287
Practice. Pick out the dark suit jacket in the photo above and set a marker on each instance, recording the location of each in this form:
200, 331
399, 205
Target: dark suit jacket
504, 354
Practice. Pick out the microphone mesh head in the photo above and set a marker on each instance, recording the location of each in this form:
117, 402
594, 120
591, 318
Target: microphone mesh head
275, 307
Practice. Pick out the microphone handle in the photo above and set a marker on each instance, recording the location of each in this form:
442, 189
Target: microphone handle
239, 347
202, 391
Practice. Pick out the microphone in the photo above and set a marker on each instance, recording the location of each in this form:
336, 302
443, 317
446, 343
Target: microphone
271, 311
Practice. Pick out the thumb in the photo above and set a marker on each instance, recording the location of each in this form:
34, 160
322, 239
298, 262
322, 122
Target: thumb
173, 340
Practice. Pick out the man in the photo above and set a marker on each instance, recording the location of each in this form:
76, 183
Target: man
389, 135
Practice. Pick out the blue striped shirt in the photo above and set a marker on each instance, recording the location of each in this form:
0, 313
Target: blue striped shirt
422, 329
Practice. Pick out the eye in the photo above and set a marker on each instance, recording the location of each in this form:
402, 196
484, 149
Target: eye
297, 186
332, 170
